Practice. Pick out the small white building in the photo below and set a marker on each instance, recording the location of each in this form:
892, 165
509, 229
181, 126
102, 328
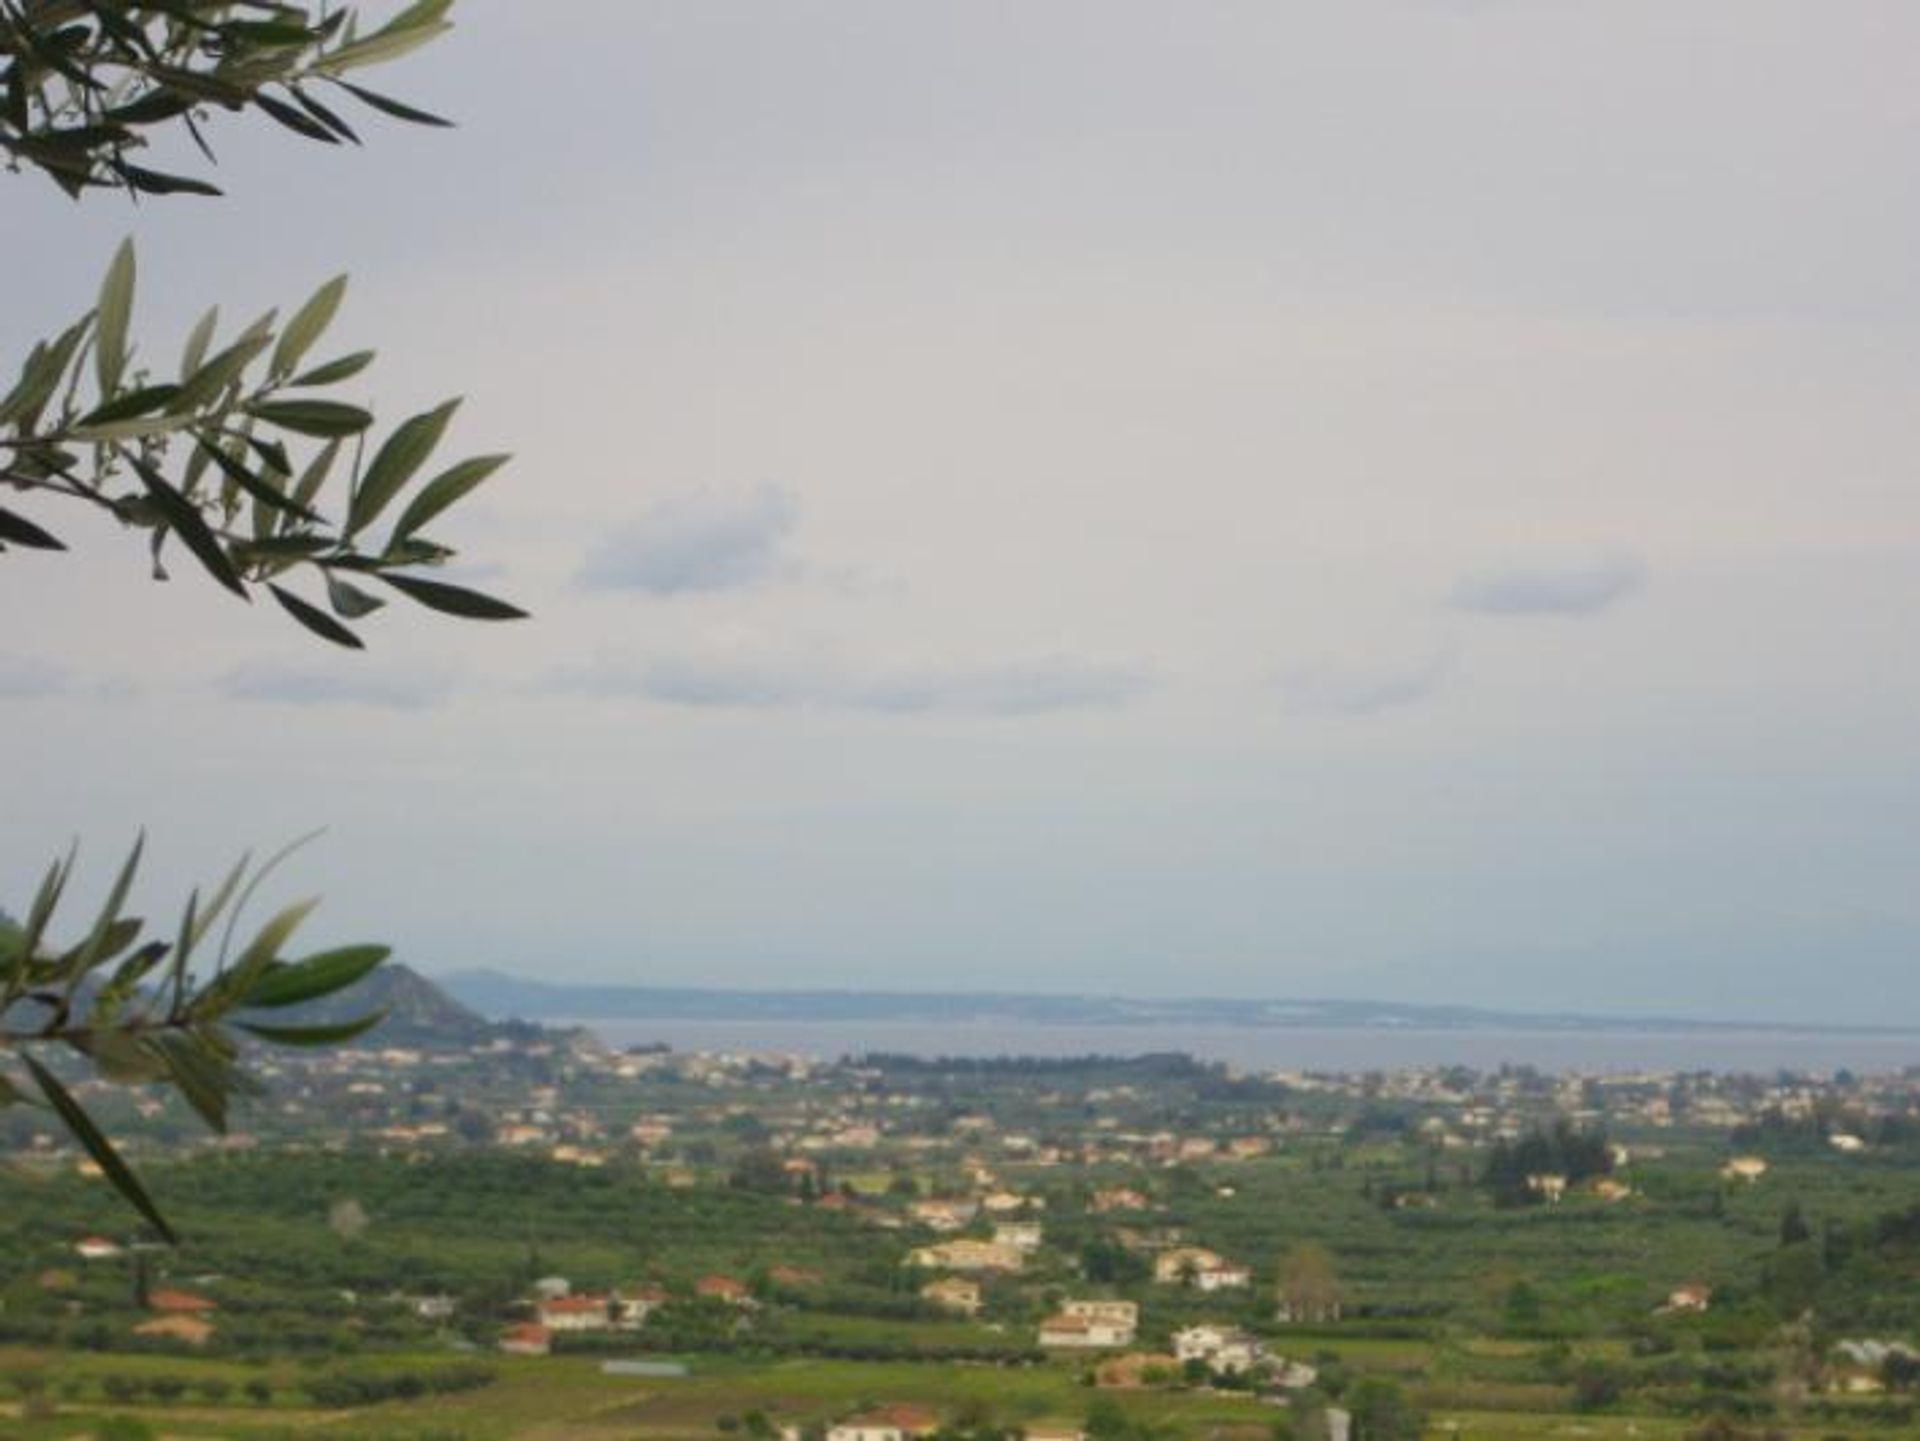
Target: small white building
1117, 1313
575, 1313
1021, 1235
1070, 1329
885, 1423
1225, 1350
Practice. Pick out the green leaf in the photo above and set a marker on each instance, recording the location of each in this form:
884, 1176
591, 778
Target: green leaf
201, 1075
294, 119
120, 1057
404, 452
74, 1116
185, 520
107, 926
314, 1035
453, 599
444, 490
389, 106
91, 953
52, 886
197, 342
261, 954
349, 600
199, 919
308, 324
344, 368
114, 311
388, 43
273, 455
315, 474
266, 943
316, 976
208, 380
143, 401
316, 619
131, 429
323, 418
154, 182
259, 487
40, 377
18, 530
269, 33
324, 114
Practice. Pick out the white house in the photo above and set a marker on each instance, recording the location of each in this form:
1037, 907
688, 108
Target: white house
1068, 1329
1226, 1351
1117, 1313
885, 1423
1227, 1276
1021, 1235
967, 1254
575, 1313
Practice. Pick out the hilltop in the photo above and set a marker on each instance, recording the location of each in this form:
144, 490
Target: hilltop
418, 1011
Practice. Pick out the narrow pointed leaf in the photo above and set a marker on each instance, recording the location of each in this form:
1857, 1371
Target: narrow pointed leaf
344, 368
316, 619
198, 340
395, 463
309, 322
314, 1035
184, 518
18, 530
76, 1120
444, 490
316, 976
115, 310
323, 418
134, 403
386, 105
259, 487
453, 599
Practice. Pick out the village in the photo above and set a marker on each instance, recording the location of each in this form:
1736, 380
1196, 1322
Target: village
1156, 1230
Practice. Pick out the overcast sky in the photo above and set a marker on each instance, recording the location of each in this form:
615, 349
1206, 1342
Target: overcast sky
1405, 498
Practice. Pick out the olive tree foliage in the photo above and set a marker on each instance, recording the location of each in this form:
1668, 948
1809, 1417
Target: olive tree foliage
231, 454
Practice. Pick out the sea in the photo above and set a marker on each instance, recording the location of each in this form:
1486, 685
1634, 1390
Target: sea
1273, 1048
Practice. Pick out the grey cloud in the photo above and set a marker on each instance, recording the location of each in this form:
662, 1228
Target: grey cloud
25, 676
1038, 687
698, 543
1028, 688
1579, 589
348, 685
1355, 688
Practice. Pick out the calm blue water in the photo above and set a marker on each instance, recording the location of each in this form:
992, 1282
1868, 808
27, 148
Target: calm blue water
1265, 1048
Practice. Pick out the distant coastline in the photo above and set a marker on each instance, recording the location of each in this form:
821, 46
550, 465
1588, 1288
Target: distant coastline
501, 996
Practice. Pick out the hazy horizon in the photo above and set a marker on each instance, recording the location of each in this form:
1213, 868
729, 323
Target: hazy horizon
1416, 500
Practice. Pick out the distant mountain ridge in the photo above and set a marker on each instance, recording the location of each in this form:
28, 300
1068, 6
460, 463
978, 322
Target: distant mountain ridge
501, 996
419, 1012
